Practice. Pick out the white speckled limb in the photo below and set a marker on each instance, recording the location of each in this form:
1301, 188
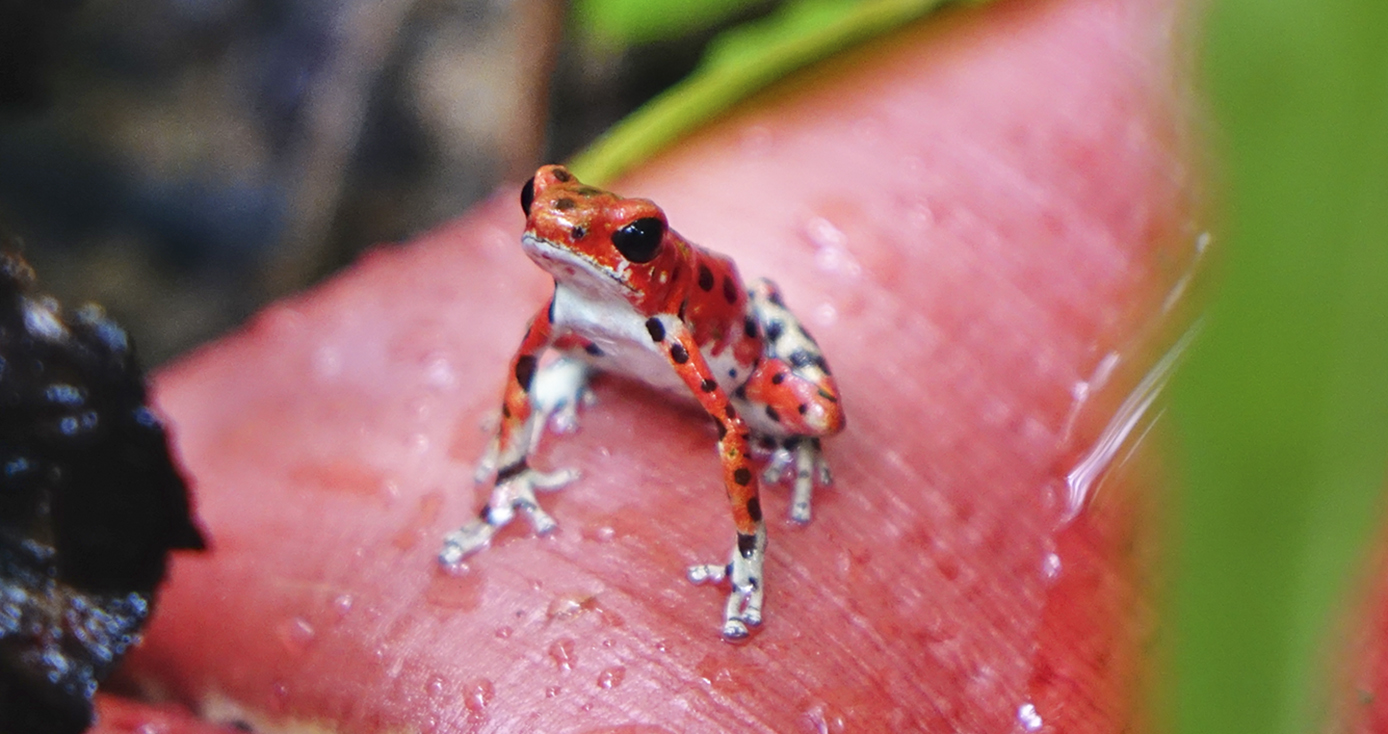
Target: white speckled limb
559, 390
806, 460
516, 492
744, 574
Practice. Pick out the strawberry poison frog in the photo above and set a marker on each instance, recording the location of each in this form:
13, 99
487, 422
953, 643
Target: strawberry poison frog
633, 297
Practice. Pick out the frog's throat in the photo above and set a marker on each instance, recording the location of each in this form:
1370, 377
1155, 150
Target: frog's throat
546, 254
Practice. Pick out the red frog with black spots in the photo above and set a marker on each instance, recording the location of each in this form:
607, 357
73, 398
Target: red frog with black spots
633, 297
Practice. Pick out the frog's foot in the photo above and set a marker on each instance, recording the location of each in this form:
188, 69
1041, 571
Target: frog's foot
803, 458
515, 491
744, 574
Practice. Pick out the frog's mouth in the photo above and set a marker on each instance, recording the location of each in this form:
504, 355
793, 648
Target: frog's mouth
567, 266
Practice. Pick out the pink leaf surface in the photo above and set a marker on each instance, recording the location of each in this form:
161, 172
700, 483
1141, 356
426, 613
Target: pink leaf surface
971, 216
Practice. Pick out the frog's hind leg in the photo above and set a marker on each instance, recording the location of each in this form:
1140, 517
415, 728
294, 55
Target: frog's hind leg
802, 458
799, 396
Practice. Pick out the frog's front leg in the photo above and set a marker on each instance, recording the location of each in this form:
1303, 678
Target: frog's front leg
559, 389
516, 482
744, 573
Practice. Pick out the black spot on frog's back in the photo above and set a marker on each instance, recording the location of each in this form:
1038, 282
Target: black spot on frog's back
705, 278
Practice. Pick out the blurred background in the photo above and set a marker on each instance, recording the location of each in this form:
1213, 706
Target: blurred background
183, 161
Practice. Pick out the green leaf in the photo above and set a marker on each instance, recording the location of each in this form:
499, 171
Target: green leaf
621, 23
738, 64
1283, 407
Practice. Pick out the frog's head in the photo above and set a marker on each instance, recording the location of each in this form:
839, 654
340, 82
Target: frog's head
593, 239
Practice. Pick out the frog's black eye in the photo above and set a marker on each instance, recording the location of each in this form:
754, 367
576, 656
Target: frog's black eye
528, 195
639, 240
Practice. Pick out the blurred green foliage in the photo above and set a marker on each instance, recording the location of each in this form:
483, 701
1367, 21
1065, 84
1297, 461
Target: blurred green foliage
738, 63
620, 23
1283, 407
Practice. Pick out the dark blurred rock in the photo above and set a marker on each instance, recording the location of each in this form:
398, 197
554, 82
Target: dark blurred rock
90, 505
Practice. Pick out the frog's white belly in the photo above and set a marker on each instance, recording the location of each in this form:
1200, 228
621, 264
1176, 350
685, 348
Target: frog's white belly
619, 332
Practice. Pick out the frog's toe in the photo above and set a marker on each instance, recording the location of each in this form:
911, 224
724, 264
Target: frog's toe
743, 611
465, 541
548, 481
735, 630
707, 573
541, 521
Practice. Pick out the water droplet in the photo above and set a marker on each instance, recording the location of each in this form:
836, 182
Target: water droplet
1202, 241
440, 374
456, 570
1050, 567
711, 670
831, 248
279, 696
1028, 718
552, 691
825, 314
609, 643
477, 694
612, 677
297, 635
562, 652
343, 604
824, 235
503, 632
919, 216
605, 534
568, 606
422, 409
610, 618
825, 720
661, 646
434, 686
